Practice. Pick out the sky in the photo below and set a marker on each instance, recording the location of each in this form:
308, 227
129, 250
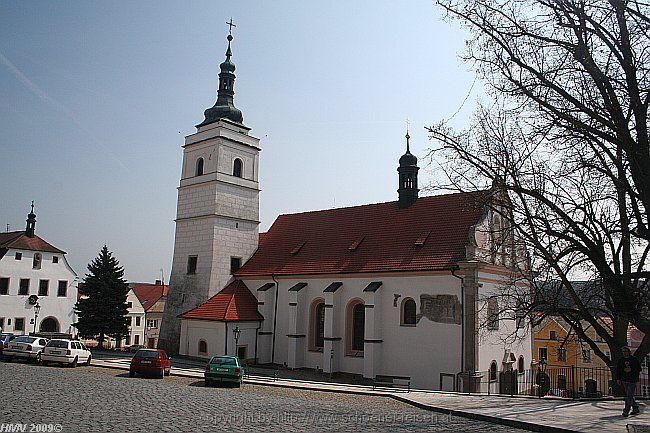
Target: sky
97, 97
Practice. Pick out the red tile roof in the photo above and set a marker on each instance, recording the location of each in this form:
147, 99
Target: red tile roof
148, 293
20, 241
235, 303
431, 234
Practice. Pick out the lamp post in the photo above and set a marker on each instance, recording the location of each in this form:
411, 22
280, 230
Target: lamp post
236, 332
37, 309
542, 382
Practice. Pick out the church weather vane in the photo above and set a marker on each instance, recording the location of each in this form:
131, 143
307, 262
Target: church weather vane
408, 124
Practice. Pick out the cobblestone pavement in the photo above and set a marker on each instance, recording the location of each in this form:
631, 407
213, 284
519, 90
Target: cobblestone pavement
96, 399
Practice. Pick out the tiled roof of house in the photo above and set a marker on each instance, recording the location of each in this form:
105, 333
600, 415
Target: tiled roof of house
431, 234
148, 293
20, 241
235, 303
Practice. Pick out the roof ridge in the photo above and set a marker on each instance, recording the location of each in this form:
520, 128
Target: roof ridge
428, 197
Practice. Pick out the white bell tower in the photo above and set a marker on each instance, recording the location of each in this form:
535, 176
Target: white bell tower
217, 220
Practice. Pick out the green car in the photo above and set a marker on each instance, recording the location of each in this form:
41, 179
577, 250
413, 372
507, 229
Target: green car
224, 369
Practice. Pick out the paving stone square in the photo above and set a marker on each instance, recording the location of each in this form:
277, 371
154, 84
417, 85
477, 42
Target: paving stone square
98, 399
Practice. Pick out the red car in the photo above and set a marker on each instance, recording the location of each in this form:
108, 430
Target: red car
150, 362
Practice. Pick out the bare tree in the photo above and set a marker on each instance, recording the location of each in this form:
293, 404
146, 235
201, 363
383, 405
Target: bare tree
566, 141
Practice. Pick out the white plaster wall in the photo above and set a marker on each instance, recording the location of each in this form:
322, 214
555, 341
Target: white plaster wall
136, 310
213, 332
14, 305
239, 202
192, 331
230, 238
494, 343
422, 352
246, 337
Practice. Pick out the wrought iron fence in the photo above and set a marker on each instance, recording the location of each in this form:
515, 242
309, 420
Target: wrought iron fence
549, 380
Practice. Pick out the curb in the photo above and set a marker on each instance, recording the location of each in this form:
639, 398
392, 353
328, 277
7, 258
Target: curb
458, 413
486, 418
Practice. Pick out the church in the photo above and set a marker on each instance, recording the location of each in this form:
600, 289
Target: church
401, 288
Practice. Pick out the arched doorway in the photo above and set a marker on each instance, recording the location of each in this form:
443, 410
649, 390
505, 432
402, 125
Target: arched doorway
49, 324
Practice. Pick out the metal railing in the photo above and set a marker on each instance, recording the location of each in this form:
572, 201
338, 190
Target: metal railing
549, 380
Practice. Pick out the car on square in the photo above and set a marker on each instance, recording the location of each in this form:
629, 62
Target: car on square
152, 362
68, 352
4, 342
224, 369
25, 347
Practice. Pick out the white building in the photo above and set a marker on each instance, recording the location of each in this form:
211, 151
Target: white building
38, 288
152, 298
400, 288
136, 322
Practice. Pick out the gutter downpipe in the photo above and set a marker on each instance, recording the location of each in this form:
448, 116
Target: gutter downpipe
257, 331
462, 320
275, 317
226, 341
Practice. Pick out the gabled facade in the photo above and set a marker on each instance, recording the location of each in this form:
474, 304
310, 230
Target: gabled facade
153, 298
38, 288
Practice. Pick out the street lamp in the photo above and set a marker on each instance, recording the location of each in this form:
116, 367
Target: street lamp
542, 379
37, 309
542, 365
236, 333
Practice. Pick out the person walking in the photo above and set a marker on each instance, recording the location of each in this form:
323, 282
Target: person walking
627, 373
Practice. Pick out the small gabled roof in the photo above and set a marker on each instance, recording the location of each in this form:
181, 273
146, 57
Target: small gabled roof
148, 294
235, 303
18, 240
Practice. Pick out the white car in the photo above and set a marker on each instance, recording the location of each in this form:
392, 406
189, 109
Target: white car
25, 347
68, 352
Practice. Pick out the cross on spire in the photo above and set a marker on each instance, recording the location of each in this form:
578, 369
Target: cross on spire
231, 25
32, 206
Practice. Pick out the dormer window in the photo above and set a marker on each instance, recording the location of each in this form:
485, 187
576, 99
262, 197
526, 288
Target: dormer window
237, 168
199, 167
36, 263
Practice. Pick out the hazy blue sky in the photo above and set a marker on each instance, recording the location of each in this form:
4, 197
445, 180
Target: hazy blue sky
96, 97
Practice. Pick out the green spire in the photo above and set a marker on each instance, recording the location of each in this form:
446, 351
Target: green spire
225, 108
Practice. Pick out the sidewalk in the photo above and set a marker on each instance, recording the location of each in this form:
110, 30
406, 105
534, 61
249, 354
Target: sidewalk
543, 415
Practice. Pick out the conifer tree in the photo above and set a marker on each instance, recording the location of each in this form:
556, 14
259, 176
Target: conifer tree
102, 309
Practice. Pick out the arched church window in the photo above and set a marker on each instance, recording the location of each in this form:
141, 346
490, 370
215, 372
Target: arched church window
199, 167
317, 325
237, 168
409, 312
203, 346
493, 370
355, 324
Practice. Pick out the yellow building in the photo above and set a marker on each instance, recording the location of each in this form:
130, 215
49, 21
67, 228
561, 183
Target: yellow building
569, 363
